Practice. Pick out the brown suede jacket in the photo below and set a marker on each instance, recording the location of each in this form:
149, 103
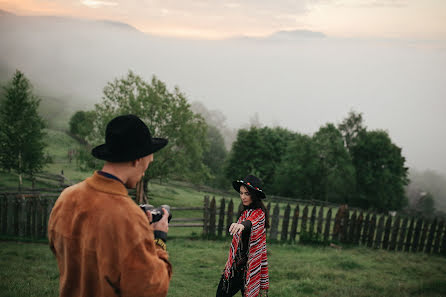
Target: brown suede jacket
104, 243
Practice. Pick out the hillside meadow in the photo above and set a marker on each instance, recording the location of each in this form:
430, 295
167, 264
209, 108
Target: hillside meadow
29, 269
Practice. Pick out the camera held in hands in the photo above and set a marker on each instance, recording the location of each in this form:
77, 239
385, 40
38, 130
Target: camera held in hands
157, 213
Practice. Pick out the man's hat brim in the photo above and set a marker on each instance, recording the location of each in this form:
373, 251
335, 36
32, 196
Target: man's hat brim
103, 152
237, 183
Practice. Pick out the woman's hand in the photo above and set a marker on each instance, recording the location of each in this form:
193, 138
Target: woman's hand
236, 228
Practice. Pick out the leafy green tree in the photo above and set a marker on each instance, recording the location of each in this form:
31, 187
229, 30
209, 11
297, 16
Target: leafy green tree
350, 128
215, 155
337, 173
21, 134
81, 123
381, 174
298, 174
167, 114
257, 151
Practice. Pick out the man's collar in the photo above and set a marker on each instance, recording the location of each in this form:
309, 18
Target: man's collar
105, 184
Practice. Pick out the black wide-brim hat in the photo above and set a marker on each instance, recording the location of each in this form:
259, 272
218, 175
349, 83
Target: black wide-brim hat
250, 182
127, 138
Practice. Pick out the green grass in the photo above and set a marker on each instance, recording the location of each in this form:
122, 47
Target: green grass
29, 269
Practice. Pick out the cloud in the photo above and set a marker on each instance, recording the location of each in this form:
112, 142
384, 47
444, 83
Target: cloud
373, 3
96, 4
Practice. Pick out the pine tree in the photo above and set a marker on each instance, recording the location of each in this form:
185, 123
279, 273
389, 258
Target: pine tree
21, 129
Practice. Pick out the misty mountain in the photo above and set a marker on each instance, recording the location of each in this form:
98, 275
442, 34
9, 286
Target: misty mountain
299, 80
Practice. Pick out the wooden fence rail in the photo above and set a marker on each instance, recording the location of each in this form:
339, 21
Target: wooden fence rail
314, 223
26, 216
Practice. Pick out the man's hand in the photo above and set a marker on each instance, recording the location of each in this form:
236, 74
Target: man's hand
236, 228
163, 224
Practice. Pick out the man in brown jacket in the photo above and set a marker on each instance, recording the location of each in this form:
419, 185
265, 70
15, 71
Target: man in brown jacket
103, 242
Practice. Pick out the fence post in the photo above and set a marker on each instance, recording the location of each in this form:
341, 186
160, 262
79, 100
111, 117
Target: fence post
371, 233
285, 223
16, 215
345, 220
379, 232
230, 216
206, 216
358, 228
221, 217
401, 241
240, 208
352, 226
303, 225
44, 231
409, 236
365, 232
320, 219
443, 244
327, 226
416, 237
437, 237
387, 229
430, 238
49, 208
3, 214
22, 217
312, 220
38, 217
268, 209
212, 215
424, 229
295, 223
395, 229
339, 224
10, 216
275, 222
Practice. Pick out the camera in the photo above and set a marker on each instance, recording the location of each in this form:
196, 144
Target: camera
157, 213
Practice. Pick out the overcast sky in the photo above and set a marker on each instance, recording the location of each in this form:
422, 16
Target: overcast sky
384, 58
216, 19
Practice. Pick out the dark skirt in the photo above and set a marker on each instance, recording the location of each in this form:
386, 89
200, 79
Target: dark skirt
228, 288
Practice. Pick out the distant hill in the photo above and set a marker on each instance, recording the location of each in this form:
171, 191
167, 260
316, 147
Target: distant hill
295, 35
68, 60
295, 79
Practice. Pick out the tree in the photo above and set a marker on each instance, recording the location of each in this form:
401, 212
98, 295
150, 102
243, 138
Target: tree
426, 204
81, 123
298, 174
381, 174
167, 114
215, 155
350, 128
337, 173
257, 151
21, 134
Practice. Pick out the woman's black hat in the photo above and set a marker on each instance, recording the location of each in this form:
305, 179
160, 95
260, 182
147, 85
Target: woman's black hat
127, 138
251, 182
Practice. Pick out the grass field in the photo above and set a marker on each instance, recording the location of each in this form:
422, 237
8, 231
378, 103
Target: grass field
29, 269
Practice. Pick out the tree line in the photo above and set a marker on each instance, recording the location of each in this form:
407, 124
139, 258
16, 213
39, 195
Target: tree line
343, 163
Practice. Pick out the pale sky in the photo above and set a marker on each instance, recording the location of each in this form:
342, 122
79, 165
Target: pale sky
218, 19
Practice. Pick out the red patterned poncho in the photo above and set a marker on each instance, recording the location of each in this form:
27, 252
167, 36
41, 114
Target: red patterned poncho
256, 279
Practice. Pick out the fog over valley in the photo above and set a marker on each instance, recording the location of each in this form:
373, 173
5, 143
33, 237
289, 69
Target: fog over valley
299, 80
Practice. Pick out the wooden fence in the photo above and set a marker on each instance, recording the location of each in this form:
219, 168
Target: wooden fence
308, 223
26, 215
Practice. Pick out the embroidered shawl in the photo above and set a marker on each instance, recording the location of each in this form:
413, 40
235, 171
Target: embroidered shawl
256, 278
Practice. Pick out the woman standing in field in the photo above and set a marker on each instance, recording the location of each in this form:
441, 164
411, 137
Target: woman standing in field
247, 265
